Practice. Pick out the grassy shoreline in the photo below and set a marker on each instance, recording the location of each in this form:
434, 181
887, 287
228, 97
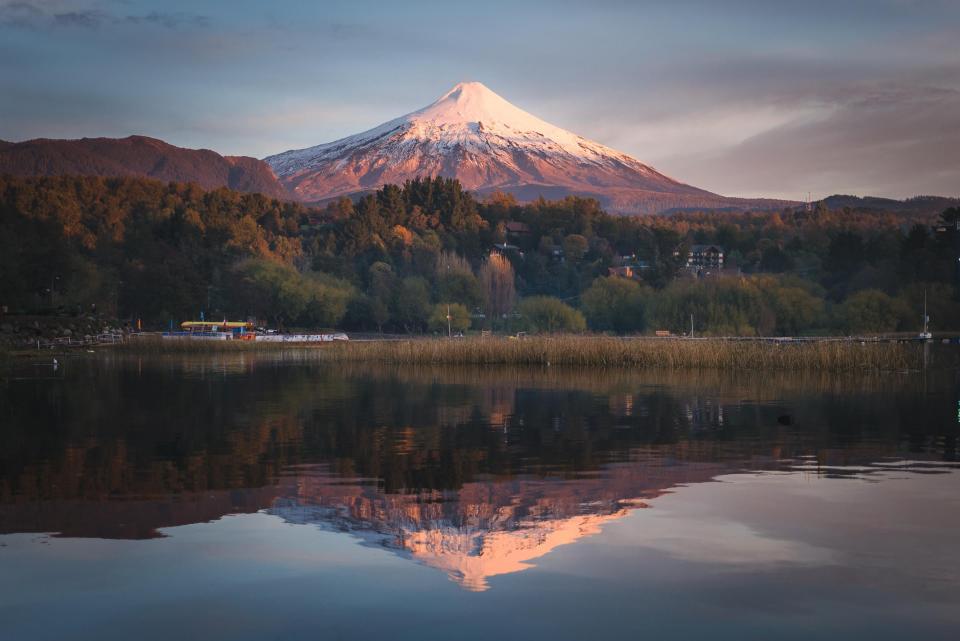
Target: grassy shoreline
585, 351
615, 352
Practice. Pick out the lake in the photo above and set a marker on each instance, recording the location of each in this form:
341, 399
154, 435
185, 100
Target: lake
270, 497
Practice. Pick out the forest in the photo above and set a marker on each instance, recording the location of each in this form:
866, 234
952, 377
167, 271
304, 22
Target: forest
428, 256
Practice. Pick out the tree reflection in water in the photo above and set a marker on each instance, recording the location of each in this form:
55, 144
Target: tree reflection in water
476, 472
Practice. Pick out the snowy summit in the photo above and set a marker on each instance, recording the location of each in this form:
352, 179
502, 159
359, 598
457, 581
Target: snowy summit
472, 134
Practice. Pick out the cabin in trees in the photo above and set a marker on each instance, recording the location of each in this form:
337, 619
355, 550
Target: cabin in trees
629, 267
703, 260
516, 229
623, 271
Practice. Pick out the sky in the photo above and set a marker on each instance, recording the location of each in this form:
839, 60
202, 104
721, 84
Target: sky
742, 97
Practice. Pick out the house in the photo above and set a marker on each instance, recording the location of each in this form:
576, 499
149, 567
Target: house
638, 264
628, 267
516, 229
704, 258
623, 271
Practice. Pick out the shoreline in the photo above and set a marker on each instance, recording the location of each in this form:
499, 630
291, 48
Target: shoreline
829, 355
589, 351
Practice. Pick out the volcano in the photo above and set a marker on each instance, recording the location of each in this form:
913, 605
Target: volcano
472, 134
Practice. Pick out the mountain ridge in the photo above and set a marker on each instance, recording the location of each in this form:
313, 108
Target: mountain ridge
140, 156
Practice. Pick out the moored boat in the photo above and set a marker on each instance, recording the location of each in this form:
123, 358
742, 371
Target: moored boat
213, 331
244, 331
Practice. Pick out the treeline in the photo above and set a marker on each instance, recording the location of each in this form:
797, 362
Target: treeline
427, 255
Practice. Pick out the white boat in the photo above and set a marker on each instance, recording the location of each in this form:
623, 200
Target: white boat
301, 338
244, 331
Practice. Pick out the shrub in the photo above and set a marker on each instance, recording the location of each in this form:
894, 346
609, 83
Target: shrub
459, 318
616, 304
870, 310
548, 314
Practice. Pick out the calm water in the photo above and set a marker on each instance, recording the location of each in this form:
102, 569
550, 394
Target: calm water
273, 498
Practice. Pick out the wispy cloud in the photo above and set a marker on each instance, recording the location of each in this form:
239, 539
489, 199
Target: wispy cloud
21, 15
83, 19
37, 16
176, 20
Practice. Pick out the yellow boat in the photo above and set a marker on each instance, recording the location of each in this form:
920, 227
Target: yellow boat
214, 330
215, 326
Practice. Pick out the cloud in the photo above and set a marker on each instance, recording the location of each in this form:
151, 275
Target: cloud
789, 121
176, 20
897, 141
84, 19
20, 15
37, 16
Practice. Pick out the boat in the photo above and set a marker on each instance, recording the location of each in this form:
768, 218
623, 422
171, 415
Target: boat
244, 331
213, 331
301, 338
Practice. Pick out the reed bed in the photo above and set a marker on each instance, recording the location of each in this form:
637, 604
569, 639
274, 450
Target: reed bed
156, 345
583, 351
577, 351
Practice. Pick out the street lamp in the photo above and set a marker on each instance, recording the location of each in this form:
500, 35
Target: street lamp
53, 281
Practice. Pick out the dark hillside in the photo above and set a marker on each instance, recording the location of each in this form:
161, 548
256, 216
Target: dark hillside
138, 156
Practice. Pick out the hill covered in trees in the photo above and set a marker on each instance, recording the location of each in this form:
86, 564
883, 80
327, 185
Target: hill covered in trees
138, 156
398, 259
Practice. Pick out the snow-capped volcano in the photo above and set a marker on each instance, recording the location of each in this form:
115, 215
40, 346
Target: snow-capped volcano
472, 134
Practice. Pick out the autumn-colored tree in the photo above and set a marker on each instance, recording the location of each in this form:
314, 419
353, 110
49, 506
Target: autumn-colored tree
165, 251
497, 281
575, 247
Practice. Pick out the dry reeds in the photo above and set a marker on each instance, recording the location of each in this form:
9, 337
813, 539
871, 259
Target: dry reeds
583, 351
157, 345
580, 351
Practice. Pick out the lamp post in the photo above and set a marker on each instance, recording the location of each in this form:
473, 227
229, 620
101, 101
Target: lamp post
53, 285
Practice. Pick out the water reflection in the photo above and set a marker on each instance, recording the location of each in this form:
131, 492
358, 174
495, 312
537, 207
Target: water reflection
475, 472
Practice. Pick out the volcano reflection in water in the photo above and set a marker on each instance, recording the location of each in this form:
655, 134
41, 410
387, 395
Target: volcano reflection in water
476, 473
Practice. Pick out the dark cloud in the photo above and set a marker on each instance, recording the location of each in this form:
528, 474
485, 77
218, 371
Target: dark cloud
34, 16
84, 19
21, 15
175, 20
